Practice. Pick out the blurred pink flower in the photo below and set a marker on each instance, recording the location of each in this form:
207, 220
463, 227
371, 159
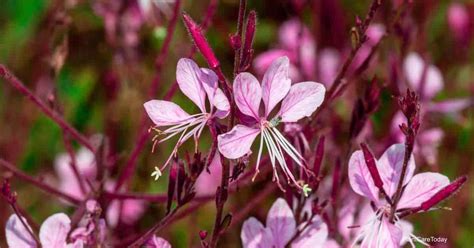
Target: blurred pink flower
301, 50
207, 182
130, 210
459, 21
280, 229
53, 232
196, 83
298, 101
417, 190
374, 33
157, 242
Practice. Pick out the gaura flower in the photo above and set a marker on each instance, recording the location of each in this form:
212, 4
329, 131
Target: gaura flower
428, 84
280, 229
53, 233
296, 42
299, 100
379, 231
198, 84
128, 211
157, 242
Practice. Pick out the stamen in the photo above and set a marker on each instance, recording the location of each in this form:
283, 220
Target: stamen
257, 170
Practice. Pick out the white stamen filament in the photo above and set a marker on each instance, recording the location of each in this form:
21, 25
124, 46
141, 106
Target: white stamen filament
197, 125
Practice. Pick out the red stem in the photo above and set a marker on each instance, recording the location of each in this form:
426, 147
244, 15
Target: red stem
17, 84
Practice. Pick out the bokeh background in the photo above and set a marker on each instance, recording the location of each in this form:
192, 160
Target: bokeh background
102, 81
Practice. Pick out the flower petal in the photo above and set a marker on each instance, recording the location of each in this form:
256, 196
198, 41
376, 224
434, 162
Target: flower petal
209, 79
390, 168
302, 100
207, 182
157, 242
221, 103
359, 177
164, 113
421, 188
17, 235
188, 76
315, 235
248, 94
275, 83
255, 235
328, 65
262, 62
413, 67
450, 106
237, 142
281, 222
385, 234
54, 230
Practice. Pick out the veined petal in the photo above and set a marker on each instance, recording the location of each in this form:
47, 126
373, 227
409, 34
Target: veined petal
209, 79
157, 242
275, 83
421, 188
263, 61
384, 234
248, 94
164, 113
237, 142
253, 234
301, 101
188, 76
281, 221
359, 177
16, 233
390, 168
221, 103
54, 230
315, 235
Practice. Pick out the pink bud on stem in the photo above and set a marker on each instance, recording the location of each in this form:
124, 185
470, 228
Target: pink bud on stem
249, 36
200, 41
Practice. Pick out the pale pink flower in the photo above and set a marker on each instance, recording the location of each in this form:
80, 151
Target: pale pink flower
198, 84
375, 33
305, 61
207, 182
280, 229
53, 232
157, 242
128, 210
428, 84
297, 101
459, 21
378, 231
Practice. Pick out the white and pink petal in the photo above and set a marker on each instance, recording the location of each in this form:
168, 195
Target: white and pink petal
302, 100
237, 142
276, 83
421, 188
188, 76
247, 94
54, 230
390, 168
16, 233
359, 177
165, 113
281, 221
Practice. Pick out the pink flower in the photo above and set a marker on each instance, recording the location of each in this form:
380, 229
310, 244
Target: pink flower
196, 83
128, 210
459, 21
53, 232
280, 229
302, 53
157, 242
298, 101
429, 84
378, 231
207, 182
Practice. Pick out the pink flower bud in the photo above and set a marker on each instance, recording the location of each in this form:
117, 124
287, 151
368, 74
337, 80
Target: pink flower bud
318, 159
458, 21
444, 193
370, 161
249, 33
202, 234
200, 41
